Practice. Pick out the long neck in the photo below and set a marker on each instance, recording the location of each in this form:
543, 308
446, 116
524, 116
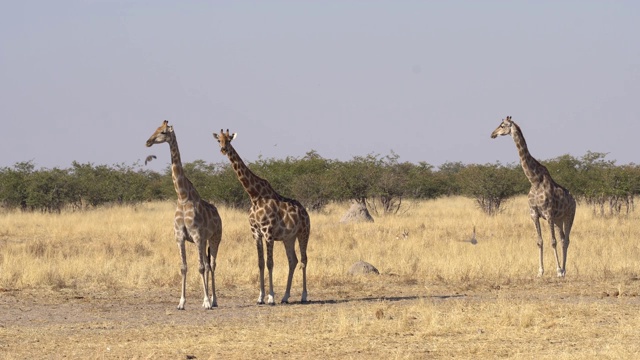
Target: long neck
254, 185
532, 168
181, 184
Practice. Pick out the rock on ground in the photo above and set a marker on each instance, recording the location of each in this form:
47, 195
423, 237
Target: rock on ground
363, 268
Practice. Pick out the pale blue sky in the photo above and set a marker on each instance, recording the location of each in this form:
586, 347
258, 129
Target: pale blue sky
91, 80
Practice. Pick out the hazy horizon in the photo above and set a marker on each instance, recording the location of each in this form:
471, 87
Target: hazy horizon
91, 80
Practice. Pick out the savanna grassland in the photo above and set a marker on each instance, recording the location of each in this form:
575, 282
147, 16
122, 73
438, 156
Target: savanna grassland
104, 284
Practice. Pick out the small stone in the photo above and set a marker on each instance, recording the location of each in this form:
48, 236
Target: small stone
363, 268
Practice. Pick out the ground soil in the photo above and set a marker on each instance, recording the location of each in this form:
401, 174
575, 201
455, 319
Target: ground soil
72, 323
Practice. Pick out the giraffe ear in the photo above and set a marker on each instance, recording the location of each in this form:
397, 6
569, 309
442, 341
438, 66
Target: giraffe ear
233, 136
215, 135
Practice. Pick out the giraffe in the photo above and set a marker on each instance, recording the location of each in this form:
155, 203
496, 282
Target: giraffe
272, 217
547, 199
195, 220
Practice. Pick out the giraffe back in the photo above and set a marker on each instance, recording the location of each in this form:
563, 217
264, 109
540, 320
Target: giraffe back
551, 200
282, 218
198, 217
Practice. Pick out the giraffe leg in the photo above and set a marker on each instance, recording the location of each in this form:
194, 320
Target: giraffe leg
206, 271
303, 240
183, 272
269, 241
207, 268
536, 222
563, 241
203, 268
260, 248
568, 223
565, 248
554, 245
213, 254
290, 247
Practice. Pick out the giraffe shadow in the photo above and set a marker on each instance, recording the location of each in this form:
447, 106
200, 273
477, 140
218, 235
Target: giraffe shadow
356, 300
380, 298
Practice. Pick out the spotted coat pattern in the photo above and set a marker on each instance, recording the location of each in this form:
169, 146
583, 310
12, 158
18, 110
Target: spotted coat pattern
547, 199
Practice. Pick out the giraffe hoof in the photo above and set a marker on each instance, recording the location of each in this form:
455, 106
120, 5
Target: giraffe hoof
270, 300
260, 302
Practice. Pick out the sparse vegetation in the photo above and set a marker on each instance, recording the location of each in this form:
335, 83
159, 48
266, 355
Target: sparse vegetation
102, 283
382, 183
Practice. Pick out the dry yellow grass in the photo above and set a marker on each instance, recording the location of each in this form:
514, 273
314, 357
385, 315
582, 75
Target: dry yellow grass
105, 283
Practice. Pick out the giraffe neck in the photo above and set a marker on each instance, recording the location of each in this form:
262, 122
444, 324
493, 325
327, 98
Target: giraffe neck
181, 184
532, 168
254, 185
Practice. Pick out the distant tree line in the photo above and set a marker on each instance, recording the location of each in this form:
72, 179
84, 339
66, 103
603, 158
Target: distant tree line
382, 183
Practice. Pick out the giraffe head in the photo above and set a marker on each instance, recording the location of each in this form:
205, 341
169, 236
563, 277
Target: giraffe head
504, 128
224, 139
162, 134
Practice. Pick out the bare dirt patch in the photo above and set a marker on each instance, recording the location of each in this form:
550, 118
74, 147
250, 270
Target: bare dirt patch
385, 318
